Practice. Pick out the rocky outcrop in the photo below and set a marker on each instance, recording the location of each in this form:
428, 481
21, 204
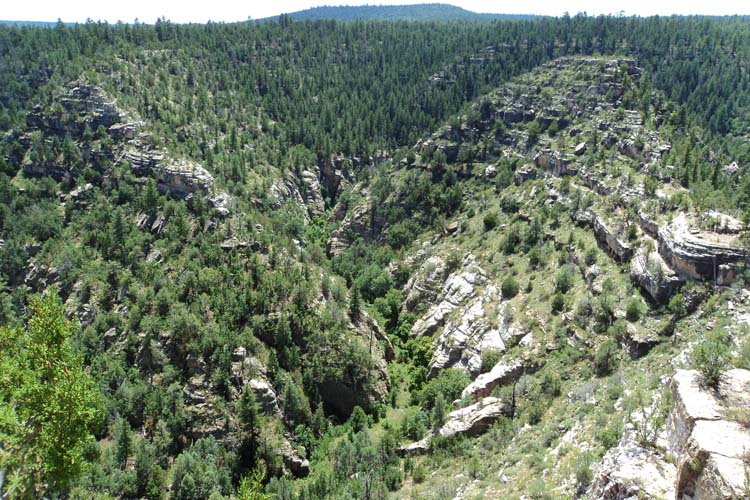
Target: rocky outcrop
708, 449
503, 373
470, 332
617, 248
303, 188
629, 471
368, 329
525, 174
360, 220
698, 259
296, 464
656, 278
181, 178
458, 287
248, 371
470, 421
83, 110
89, 103
425, 285
711, 450
554, 162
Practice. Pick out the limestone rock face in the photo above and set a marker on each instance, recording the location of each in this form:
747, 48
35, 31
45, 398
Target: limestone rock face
298, 466
89, 107
303, 188
697, 258
311, 192
653, 275
470, 421
250, 372
470, 332
713, 466
181, 178
712, 450
708, 449
502, 373
554, 162
619, 249
629, 471
425, 285
360, 220
89, 102
458, 287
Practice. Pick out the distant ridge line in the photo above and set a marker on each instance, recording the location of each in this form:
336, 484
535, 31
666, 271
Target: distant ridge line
414, 12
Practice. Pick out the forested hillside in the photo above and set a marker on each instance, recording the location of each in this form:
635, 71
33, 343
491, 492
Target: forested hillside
418, 12
322, 259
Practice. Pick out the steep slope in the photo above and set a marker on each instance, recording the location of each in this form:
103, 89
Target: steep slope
548, 284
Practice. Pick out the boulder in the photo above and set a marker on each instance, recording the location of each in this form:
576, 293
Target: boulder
470, 421
630, 471
525, 174
580, 149
503, 373
297, 465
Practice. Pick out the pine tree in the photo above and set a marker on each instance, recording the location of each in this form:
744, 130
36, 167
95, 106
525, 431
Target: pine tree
48, 403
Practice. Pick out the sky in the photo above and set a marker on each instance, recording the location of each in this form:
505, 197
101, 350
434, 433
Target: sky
185, 11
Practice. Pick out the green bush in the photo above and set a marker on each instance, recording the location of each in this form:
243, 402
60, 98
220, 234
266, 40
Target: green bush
564, 280
419, 474
509, 287
591, 256
490, 220
711, 357
551, 384
610, 435
605, 358
490, 357
450, 383
633, 310
558, 302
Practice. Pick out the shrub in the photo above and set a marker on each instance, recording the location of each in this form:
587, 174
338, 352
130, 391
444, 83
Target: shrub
414, 424
633, 310
490, 220
610, 435
490, 357
583, 472
449, 383
558, 302
551, 384
509, 287
590, 257
605, 358
564, 280
419, 474
534, 257
711, 357
358, 419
